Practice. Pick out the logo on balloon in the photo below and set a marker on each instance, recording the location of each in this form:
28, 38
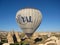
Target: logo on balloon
24, 19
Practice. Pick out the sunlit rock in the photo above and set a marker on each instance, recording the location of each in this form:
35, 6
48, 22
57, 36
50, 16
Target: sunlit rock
10, 38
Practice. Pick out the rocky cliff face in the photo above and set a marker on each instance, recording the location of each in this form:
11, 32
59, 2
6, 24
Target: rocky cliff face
13, 37
10, 38
18, 37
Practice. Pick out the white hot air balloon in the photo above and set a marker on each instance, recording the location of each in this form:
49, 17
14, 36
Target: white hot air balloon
29, 19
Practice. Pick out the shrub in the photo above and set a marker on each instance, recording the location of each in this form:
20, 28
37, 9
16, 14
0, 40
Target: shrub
15, 44
4, 41
1, 43
11, 44
24, 43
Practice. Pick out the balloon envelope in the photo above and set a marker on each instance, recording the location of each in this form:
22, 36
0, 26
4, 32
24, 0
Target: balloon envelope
29, 19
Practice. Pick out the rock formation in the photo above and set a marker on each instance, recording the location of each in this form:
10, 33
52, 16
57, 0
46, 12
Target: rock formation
17, 36
10, 38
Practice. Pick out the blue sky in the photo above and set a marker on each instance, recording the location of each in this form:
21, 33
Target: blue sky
50, 10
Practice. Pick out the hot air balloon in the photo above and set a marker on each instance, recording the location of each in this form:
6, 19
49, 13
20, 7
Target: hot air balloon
29, 20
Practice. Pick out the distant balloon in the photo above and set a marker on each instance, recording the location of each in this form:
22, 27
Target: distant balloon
29, 19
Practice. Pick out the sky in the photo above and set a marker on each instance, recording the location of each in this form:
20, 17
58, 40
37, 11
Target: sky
50, 10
